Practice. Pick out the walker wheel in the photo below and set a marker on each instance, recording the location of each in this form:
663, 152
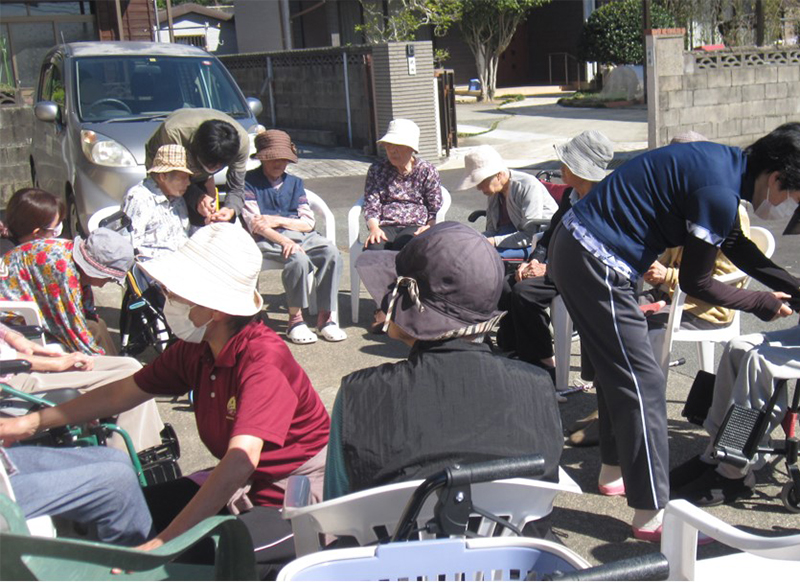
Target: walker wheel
790, 498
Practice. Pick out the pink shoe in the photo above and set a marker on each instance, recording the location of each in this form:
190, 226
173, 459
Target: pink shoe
612, 490
648, 535
654, 535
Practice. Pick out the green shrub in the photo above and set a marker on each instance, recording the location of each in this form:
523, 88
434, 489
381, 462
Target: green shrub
613, 33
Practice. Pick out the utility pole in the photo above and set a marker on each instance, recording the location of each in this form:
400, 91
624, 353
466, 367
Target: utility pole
169, 21
645, 27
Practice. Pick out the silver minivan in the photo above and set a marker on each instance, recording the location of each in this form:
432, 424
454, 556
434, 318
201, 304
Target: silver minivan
99, 102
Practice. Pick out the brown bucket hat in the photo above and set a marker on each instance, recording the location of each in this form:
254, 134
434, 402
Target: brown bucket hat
274, 144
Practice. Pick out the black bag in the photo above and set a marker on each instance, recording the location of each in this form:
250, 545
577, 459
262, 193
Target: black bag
700, 396
160, 463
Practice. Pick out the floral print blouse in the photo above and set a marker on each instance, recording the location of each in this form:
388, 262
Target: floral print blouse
45, 272
398, 199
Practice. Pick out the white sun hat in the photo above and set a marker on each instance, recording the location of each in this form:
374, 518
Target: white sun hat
402, 132
587, 155
479, 164
217, 268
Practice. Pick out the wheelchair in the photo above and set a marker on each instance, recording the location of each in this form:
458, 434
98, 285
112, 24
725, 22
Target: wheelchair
141, 321
155, 465
739, 439
556, 190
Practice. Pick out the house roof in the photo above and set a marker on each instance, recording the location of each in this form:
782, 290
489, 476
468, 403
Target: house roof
192, 8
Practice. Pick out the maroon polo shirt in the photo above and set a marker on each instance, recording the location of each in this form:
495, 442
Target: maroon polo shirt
255, 387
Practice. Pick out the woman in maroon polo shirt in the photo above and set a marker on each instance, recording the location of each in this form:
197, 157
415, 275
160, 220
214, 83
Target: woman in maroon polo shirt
255, 407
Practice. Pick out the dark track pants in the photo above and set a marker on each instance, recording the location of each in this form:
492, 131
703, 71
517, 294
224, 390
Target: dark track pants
631, 389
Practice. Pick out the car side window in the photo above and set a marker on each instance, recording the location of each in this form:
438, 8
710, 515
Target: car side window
57, 92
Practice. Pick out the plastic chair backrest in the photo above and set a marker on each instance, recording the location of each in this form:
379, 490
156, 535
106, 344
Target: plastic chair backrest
13, 521
449, 559
357, 245
764, 557
372, 514
60, 558
706, 338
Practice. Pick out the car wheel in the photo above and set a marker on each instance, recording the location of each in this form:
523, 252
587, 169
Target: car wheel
72, 225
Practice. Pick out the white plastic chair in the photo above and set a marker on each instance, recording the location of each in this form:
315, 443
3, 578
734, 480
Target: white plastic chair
29, 311
449, 559
370, 514
562, 340
707, 338
357, 245
763, 558
41, 526
320, 209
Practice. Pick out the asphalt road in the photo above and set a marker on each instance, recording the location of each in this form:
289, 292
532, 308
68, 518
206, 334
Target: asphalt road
594, 526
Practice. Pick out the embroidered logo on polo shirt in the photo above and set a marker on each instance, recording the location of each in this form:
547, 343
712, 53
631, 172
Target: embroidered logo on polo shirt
231, 408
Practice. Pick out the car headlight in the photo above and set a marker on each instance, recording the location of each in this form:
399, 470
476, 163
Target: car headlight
104, 151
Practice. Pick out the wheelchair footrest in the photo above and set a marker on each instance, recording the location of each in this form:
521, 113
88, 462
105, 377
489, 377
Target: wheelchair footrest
737, 438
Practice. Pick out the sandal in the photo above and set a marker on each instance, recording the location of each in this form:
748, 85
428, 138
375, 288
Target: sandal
301, 334
332, 332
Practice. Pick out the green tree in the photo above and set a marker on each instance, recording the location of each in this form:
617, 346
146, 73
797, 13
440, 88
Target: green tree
487, 27
399, 20
613, 33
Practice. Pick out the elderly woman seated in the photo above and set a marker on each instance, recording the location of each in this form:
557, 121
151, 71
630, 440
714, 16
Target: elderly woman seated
156, 207
31, 214
58, 274
402, 194
517, 202
278, 215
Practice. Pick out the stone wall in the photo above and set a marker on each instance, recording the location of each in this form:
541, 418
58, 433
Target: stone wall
16, 127
732, 96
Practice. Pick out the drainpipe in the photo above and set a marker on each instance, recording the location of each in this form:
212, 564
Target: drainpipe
347, 101
158, 24
286, 25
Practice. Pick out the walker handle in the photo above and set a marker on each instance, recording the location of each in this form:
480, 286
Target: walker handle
646, 567
507, 468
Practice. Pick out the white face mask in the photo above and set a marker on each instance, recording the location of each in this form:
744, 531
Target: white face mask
769, 211
58, 230
177, 315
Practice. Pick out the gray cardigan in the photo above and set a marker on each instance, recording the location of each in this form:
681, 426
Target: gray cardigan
527, 201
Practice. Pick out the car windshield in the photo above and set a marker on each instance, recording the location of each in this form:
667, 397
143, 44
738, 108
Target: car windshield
136, 87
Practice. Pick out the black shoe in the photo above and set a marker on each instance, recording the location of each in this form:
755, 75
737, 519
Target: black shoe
687, 472
711, 488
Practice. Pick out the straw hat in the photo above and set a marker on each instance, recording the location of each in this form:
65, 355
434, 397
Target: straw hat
170, 158
104, 254
217, 268
274, 144
587, 155
479, 164
445, 283
402, 132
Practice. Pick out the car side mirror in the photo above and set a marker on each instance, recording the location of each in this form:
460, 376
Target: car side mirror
255, 106
46, 111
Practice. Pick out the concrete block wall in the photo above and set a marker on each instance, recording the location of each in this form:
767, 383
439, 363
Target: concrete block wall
732, 97
16, 126
400, 94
